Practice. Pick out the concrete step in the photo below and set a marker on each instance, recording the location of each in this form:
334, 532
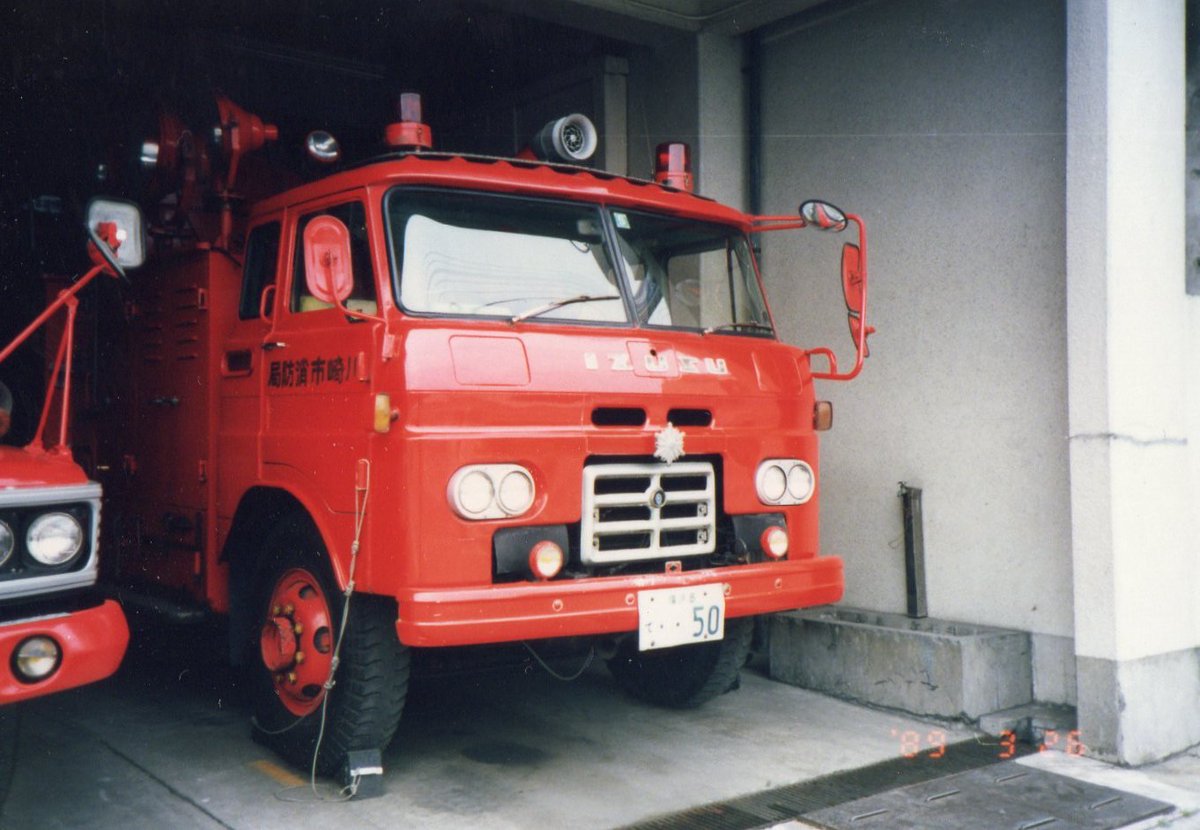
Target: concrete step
931, 667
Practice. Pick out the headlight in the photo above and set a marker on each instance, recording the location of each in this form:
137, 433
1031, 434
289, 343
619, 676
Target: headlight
8, 542
785, 481
54, 538
515, 494
491, 491
36, 659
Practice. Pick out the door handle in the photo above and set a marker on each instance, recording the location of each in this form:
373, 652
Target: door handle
272, 345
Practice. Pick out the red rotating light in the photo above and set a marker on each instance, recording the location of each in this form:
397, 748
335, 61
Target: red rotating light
673, 165
409, 132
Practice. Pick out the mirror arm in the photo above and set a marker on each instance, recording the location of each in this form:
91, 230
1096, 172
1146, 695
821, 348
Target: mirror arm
860, 342
762, 224
64, 297
358, 315
106, 253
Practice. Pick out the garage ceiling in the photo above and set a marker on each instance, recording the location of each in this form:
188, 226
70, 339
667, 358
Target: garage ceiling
722, 16
84, 81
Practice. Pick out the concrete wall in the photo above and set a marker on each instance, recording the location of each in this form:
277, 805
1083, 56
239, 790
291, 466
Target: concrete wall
663, 99
942, 123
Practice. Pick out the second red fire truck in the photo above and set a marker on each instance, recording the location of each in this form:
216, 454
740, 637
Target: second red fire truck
435, 400
56, 631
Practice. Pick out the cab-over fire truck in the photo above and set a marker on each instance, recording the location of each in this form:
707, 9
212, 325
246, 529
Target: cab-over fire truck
434, 400
56, 633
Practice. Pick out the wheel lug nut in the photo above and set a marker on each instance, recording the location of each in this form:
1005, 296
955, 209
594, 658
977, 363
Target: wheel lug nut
289, 609
291, 677
278, 679
275, 610
299, 657
298, 628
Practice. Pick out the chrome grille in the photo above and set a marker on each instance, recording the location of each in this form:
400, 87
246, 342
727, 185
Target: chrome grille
647, 511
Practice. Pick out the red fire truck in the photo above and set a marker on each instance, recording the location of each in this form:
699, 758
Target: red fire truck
435, 400
55, 632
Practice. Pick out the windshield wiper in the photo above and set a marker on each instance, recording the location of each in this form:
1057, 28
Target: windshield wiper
736, 326
542, 309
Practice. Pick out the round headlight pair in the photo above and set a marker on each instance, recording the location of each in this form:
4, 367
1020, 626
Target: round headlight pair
52, 539
491, 491
785, 481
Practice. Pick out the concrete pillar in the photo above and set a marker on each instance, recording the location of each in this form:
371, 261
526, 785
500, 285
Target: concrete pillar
1136, 561
612, 94
722, 118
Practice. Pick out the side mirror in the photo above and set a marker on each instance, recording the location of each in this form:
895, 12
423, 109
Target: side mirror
327, 269
130, 230
823, 216
854, 290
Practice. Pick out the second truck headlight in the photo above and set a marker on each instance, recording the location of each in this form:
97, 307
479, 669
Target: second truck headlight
54, 538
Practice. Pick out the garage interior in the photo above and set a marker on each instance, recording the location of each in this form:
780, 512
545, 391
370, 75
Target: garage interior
975, 171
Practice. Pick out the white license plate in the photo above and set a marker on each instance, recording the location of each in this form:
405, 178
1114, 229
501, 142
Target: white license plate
677, 616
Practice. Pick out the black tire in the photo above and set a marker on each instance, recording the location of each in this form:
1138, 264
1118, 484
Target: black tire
10, 729
685, 676
371, 683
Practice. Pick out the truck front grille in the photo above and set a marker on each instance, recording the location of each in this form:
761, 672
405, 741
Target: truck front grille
634, 512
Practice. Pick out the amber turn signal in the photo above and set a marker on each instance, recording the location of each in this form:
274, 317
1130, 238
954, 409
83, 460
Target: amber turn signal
822, 415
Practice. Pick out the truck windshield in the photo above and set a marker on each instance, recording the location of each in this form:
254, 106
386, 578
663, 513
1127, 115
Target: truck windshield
689, 274
477, 254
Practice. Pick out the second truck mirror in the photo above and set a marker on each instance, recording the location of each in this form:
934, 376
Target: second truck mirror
130, 230
327, 270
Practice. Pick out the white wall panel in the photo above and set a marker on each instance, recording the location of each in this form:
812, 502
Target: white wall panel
942, 123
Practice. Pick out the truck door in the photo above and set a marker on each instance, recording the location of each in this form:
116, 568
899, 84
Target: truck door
318, 364
244, 358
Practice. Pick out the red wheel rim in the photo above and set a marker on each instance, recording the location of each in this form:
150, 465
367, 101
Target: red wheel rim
296, 640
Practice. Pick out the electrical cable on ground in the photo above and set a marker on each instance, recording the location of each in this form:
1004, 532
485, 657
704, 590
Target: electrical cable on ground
587, 662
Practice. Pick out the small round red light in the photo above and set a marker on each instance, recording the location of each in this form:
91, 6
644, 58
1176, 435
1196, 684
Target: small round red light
774, 541
546, 559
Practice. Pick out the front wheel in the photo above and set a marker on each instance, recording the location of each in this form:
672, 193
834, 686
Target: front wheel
298, 614
684, 677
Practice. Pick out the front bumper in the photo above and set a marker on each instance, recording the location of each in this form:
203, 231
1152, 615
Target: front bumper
92, 641
601, 605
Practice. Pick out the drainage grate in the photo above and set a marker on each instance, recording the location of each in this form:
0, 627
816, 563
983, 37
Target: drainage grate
794, 800
1001, 796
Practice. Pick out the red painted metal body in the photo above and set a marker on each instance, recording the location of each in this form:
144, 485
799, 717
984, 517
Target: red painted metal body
92, 640
217, 414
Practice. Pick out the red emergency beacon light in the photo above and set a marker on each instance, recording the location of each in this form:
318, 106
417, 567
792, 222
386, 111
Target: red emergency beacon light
673, 165
409, 133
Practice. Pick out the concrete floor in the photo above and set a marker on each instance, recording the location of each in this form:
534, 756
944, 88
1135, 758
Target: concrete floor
162, 745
